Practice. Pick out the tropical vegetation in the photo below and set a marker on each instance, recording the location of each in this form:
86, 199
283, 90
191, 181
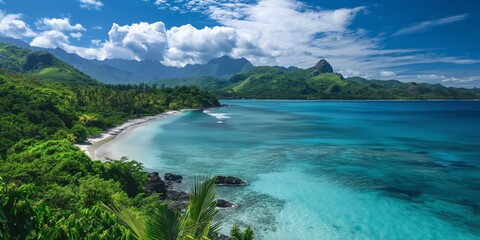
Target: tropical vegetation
316, 83
49, 189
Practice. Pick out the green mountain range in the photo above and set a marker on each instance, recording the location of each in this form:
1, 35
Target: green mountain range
41, 65
120, 71
317, 82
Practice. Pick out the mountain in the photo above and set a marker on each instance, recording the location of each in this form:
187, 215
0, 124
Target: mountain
147, 70
120, 71
222, 67
317, 82
41, 65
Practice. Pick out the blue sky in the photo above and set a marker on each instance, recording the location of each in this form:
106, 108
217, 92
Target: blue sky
423, 41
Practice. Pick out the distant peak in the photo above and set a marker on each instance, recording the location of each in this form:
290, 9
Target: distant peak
323, 66
220, 59
227, 59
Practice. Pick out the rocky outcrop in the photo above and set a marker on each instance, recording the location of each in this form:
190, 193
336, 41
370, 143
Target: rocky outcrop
323, 67
225, 204
229, 180
177, 199
173, 177
155, 184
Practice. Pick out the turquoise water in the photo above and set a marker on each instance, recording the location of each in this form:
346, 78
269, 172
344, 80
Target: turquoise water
328, 169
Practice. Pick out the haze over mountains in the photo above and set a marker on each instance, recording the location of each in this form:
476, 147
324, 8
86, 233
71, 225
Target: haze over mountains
224, 76
119, 71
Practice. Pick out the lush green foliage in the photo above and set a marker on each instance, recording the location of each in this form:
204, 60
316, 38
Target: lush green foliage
49, 189
164, 223
23, 218
237, 234
280, 83
34, 109
41, 65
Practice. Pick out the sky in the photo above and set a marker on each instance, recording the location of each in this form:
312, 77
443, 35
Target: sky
422, 40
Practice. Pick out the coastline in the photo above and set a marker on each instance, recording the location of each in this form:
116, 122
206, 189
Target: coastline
90, 146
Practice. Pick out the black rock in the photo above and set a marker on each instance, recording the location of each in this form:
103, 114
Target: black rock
224, 204
323, 67
222, 237
177, 196
177, 199
223, 180
173, 177
155, 184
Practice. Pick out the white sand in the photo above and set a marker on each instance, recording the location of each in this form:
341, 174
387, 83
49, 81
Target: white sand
90, 146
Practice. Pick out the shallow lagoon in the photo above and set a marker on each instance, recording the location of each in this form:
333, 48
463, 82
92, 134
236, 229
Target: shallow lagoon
328, 169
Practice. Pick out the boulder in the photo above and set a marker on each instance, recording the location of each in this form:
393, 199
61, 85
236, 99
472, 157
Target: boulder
323, 67
177, 196
224, 204
229, 180
222, 237
173, 177
155, 184
177, 199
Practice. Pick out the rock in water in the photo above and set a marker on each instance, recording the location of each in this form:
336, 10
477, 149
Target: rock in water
323, 67
173, 177
224, 204
155, 184
223, 180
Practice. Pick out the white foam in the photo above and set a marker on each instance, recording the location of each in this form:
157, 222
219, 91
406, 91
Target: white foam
219, 116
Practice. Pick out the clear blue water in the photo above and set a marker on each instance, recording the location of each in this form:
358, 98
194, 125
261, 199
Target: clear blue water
328, 169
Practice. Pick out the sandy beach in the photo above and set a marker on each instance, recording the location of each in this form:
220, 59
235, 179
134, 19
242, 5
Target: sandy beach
93, 143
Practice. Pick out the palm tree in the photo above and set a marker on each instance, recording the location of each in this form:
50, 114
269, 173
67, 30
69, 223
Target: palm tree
164, 223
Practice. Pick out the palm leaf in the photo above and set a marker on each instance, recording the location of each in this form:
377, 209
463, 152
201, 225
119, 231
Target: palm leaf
130, 220
163, 223
201, 209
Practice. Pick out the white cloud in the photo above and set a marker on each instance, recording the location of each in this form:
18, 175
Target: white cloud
51, 39
187, 44
162, 4
76, 35
267, 32
387, 74
12, 25
138, 41
91, 4
423, 26
59, 24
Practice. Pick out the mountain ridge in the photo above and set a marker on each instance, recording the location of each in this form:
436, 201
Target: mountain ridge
42, 65
120, 71
317, 82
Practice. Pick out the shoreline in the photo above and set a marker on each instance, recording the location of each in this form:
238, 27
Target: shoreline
90, 146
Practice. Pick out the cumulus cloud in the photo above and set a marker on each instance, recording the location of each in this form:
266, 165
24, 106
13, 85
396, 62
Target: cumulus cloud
76, 35
59, 24
54, 34
12, 25
51, 39
91, 4
423, 26
187, 44
267, 32
138, 41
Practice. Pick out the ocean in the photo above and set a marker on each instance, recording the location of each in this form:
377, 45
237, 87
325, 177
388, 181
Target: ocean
327, 169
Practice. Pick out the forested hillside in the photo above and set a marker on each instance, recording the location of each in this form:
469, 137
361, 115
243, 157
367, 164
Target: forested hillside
41, 65
318, 82
49, 189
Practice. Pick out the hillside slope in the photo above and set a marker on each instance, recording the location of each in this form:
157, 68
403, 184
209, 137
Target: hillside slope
41, 65
318, 82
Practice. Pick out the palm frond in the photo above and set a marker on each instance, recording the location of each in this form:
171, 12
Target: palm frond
163, 223
130, 220
201, 209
